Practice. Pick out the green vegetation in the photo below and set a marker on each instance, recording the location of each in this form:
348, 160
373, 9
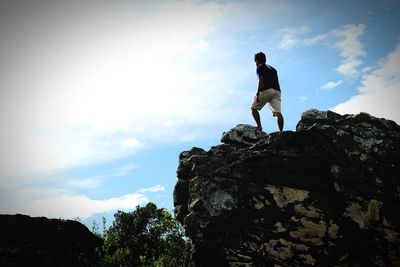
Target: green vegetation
147, 236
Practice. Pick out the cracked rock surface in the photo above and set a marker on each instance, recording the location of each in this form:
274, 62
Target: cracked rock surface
327, 194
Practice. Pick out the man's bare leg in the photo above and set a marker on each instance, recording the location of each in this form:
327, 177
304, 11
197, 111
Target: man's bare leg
279, 118
256, 117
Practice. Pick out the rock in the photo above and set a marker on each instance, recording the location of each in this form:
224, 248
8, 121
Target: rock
27, 241
327, 194
243, 134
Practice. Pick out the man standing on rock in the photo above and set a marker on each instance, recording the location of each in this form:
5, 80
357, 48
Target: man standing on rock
268, 91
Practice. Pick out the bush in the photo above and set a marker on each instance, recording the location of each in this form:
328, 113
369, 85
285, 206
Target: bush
146, 237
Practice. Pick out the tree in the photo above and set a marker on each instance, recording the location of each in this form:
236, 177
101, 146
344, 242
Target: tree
147, 236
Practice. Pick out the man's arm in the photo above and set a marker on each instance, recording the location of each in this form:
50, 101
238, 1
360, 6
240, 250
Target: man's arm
260, 84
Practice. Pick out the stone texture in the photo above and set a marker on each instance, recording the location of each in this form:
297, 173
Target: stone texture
327, 194
243, 134
27, 241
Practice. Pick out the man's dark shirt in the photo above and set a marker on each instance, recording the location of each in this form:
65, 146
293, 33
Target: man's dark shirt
270, 77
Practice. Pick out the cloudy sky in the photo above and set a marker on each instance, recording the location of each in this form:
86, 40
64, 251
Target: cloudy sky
98, 98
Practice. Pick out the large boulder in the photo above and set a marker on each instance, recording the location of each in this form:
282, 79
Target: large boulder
28, 241
327, 194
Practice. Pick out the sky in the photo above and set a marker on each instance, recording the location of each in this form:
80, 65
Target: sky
98, 98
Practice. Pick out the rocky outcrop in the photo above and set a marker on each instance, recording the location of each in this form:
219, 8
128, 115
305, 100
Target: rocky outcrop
327, 194
27, 241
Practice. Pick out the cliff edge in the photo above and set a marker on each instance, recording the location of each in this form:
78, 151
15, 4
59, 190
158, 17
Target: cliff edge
327, 194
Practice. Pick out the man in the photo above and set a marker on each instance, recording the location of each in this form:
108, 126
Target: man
268, 91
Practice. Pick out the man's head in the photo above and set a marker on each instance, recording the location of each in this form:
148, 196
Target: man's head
259, 58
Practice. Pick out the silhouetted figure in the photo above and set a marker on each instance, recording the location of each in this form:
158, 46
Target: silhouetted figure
268, 91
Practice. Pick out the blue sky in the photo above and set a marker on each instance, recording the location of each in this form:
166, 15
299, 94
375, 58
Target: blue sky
97, 99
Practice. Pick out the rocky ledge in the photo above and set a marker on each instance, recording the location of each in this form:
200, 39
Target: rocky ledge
327, 194
28, 241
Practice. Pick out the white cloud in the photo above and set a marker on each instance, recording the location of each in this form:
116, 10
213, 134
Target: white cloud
155, 188
289, 37
302, 98
48, 151
331, 85
379, 92
102, 85
346, 39
84, 83
131, 143
71, 206
316, 39
124, 170
58, 202
91, 182
351, 49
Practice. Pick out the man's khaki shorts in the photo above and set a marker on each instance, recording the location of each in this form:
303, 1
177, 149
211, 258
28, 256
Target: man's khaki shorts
271, 97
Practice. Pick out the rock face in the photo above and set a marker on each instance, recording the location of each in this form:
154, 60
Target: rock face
327, 194
27, 241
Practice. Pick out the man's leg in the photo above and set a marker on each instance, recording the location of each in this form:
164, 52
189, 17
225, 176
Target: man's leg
275, 105
256, 117
279, 118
